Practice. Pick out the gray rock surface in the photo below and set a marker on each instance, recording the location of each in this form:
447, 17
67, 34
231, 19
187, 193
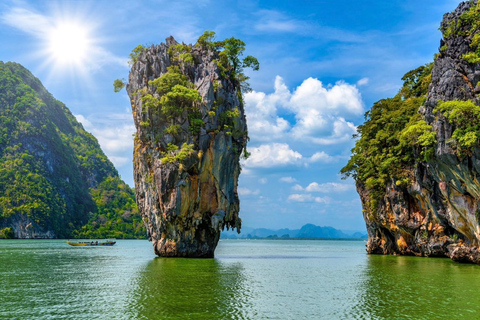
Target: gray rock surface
187, 203
439, 214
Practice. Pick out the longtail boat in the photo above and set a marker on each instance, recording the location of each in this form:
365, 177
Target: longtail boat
92, 243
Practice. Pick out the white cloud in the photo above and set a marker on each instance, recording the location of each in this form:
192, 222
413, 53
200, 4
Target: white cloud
297, 187
341, 131
27, 21
87, 125
114, 134
320, 112
261, 110
272, 155
322, 157
246, 192
363, 82
263, 180
341, 98
329, 187
288, 179
307, 198
274, 21
119, 161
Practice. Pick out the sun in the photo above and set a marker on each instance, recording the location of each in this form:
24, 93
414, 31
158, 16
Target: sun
69, 44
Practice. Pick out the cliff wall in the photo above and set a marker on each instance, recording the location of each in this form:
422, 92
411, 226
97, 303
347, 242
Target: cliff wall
191, 131
54, 178
437, 212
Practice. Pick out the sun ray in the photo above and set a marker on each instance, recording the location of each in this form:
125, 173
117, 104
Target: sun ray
69, 43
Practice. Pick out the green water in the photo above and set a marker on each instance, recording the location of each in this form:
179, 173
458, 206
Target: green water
247, 280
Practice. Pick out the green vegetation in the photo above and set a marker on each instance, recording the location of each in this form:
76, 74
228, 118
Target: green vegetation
6, 233
173, 98
418, 133
118, 85
173, 129
392, 138
229, 61
173, 154
207, 41
49, 165
468, 25
181, 53
176, 94
136, 53
465, 117
228, 122
117, 215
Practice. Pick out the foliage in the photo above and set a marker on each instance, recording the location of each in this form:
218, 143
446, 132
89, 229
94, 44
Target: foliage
136, 53
471, 57
196, 123
465, 116
173, 154
117, 215
118, 85
229, 61
418, 133
181, 53
416, 82
177, 94
468, 25
206, 40
180, 98
48, 162
6, 233
173, 129
391, 138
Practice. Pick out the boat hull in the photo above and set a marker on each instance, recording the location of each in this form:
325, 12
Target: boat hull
92, 244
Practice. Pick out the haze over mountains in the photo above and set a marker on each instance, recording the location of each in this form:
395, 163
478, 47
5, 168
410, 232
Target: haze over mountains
307, 231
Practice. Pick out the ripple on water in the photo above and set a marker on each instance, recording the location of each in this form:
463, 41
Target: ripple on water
247, 280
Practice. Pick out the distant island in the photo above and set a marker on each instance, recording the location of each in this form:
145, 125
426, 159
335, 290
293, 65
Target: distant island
308, 231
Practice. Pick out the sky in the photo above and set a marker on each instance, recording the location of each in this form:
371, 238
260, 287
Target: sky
322, 65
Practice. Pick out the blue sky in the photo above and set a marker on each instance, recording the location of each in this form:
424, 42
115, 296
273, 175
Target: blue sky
322, 65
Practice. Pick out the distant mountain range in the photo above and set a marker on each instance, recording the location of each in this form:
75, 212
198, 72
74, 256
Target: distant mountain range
307, 231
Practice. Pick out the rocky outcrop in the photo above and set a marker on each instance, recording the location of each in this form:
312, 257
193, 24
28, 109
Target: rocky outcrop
25, 228
50, 167
186, 164
438, 214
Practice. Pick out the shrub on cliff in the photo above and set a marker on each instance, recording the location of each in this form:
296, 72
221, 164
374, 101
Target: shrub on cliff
465, 117
392, 137
6, 233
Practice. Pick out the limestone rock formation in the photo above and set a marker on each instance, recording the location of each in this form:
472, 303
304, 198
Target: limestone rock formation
191, 131
54, 177
438, 214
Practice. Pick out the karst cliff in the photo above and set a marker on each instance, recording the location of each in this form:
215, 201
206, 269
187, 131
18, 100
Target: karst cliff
191, 131
417, 162
55, 180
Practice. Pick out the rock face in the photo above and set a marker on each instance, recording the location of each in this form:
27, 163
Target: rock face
50, 167
188, 195
439, 214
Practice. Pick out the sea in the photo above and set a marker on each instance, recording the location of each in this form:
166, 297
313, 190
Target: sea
247, 279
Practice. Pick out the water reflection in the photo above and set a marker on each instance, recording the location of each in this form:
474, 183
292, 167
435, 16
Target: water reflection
189, 289
248, 280
417, 288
